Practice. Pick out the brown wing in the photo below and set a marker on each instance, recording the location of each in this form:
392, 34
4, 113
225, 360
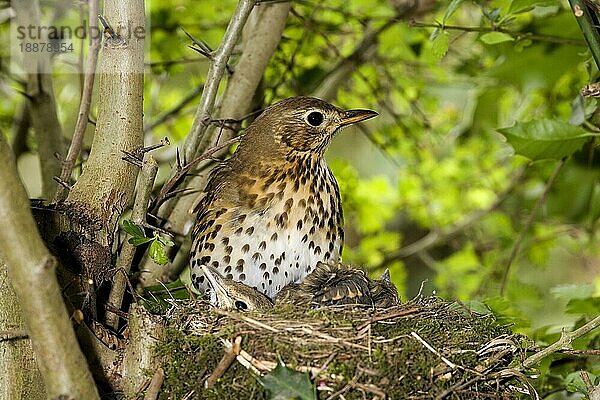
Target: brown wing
293, 294
337, 284
213, 185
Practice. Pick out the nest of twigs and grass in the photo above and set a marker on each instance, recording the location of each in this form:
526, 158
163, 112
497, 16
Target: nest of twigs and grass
424, 349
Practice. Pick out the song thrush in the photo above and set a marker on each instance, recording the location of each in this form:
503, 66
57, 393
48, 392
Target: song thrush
326, 285
272, 211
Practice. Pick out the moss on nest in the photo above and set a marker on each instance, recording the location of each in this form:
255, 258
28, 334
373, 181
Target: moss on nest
429, 348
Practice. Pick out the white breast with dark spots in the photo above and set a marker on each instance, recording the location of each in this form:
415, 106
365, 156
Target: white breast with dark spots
280, 241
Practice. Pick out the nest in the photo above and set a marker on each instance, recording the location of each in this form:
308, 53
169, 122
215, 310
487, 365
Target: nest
425, 349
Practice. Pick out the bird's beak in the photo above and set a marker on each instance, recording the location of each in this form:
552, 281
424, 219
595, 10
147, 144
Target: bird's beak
222, 298
354, 116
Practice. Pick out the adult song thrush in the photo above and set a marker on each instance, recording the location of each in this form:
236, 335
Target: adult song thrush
272, 211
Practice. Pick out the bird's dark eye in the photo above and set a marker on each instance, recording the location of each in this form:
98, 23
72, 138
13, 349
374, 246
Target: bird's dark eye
240, 305
315, 118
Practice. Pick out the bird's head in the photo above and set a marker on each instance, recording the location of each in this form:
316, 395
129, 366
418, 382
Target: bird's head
233, 295
383, 291
303, 124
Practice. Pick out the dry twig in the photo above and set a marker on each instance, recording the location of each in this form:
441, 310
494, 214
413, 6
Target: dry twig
154, 387
433, 350
225, 362
13, 334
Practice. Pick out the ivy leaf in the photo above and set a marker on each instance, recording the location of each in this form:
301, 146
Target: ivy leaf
283, 383
496, 37
545, 138
519, 6
131, 228
137, 241
157, 252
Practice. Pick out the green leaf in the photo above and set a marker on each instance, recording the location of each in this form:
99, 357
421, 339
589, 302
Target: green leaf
164, 241
283, 383
590, 306
478, 307
519, 6
439, 45
136, 241
574, 383
545, 139
571, 291
157, 253
451, 9
131, 228
496, 37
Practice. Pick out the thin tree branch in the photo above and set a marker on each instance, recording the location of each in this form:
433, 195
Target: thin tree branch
228, 359
341, 72
85, 104
215, 73
31, 269
587, 18
516, 34
146, 179
151, 273
528, 223
13, 334
261, 36
154, 387
566, 338
170, 186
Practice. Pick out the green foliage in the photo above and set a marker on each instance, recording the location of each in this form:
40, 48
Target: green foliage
574, 383
519, 6
158, 298
496, 37
283, 383
545, 139
156, 250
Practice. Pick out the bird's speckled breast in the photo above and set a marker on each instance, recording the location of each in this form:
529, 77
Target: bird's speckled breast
275, 230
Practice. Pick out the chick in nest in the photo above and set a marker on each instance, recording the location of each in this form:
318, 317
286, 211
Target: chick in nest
327, 285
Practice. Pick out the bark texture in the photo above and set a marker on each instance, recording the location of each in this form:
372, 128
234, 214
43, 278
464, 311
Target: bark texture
106, 186
31, 269
21, 377
44, 117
